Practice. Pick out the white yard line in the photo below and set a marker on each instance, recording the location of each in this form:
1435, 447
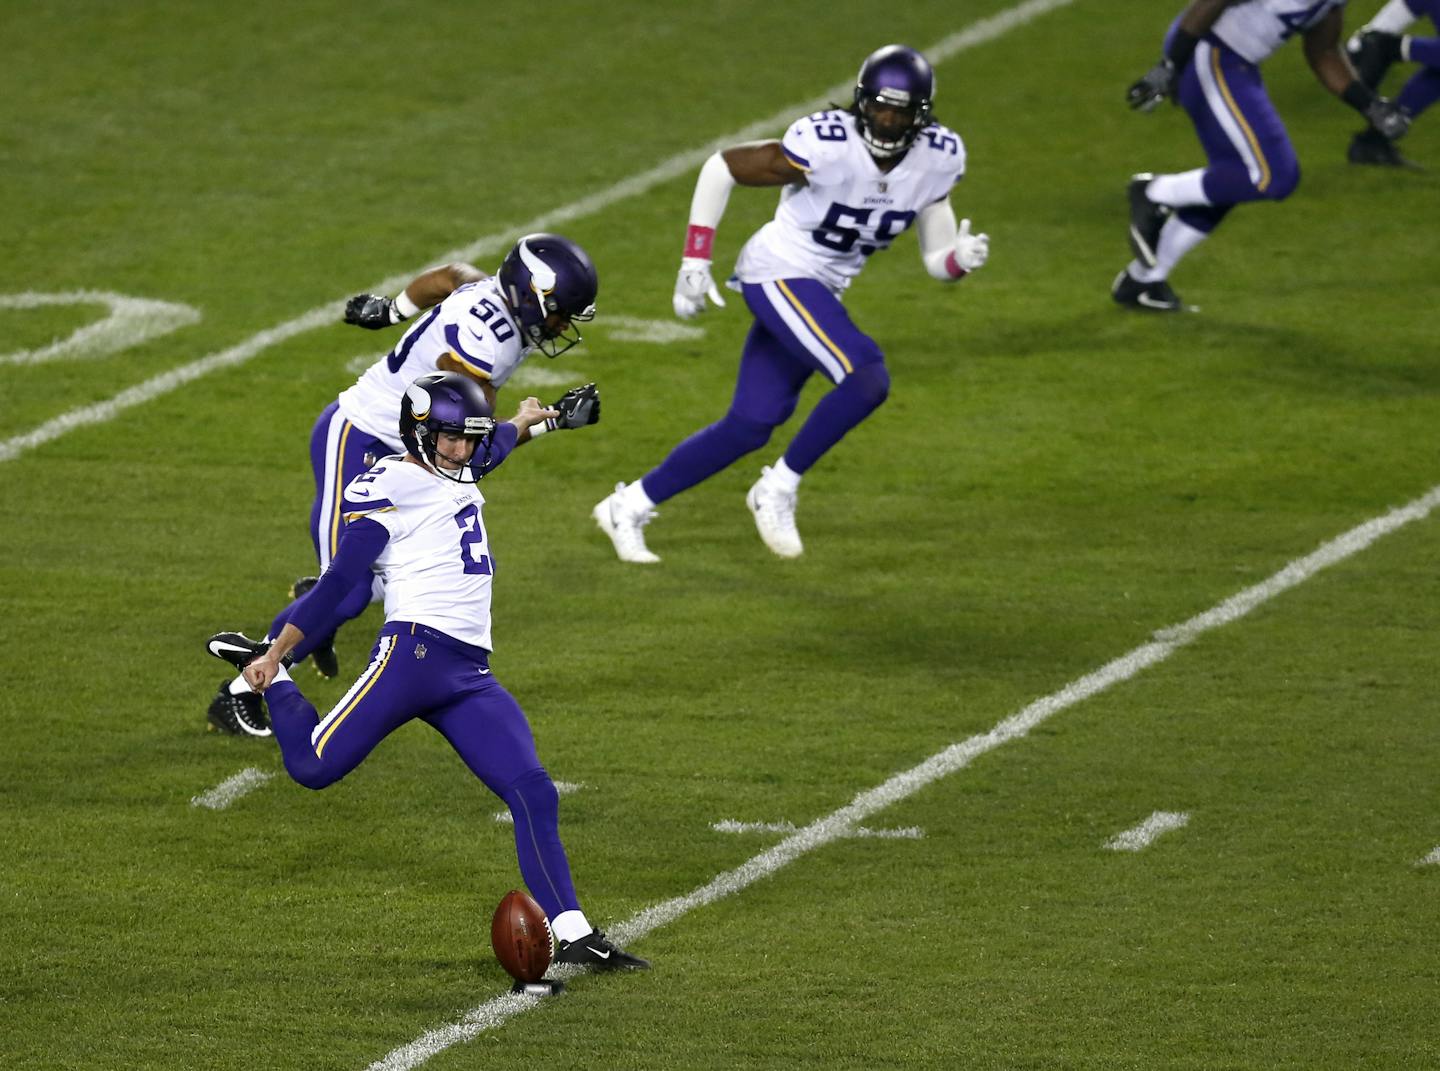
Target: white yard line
1139, 838
329, 313
1430, 860
842, 823
231, 789
730, 825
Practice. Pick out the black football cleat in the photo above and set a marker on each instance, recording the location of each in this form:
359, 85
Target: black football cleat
1372, 52
237, 648
1146, 220
238, 715
323, 658
594, 950
1374, 148
1156, 297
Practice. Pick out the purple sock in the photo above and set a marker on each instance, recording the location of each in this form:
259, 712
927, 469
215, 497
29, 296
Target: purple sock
703, 454
1421, 91
854, 398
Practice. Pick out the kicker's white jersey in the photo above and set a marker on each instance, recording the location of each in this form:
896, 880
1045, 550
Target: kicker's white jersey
1256, 28
473, 325
436, 567
848, 208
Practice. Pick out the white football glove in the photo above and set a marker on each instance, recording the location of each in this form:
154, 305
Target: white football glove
692, 286
971, 250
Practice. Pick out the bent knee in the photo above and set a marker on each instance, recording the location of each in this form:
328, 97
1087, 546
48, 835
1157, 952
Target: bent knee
870, 383
1283, 181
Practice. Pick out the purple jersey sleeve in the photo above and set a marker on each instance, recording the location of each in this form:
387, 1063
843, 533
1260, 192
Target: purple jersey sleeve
360, 545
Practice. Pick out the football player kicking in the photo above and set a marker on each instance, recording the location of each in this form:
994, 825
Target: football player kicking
1373, 48
414, 520
853, 180
1211, 66
476, 326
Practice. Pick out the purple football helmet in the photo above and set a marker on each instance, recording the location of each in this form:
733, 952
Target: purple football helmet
447, 401
898, 77
547, 276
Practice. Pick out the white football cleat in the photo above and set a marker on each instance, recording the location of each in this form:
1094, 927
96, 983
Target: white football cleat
774, 512
623, 526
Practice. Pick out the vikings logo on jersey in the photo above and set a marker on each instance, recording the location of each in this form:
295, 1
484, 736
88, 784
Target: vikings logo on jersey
848, 208
1256, 28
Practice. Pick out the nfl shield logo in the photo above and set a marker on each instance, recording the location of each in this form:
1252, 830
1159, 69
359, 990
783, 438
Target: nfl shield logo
419, 650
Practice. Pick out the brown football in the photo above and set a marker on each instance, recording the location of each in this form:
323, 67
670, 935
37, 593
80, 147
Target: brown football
520, 935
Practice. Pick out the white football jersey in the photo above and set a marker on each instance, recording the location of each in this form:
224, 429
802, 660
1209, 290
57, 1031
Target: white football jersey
437, 566
1256, 28
848, 208
473, 325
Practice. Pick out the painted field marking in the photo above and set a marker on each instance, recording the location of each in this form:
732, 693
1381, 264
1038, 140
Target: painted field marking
729, 825
564, 788
231, 789
1141, 837
329, 313
956, 757
131, 321
1432, 859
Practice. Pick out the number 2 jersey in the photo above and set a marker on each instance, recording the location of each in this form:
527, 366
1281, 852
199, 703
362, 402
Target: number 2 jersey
1254, 29
473, 325
436, 564
848, 208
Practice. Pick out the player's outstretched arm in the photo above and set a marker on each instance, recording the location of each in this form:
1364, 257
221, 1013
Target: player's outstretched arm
426, 289
949, 252
1332, 68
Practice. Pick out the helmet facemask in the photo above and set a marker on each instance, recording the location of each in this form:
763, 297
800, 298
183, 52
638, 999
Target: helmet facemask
534, 289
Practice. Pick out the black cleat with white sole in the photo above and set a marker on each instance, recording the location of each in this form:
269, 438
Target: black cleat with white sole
1146, 220
595, 950
324, 659
238, 649
238, 715
1154, 297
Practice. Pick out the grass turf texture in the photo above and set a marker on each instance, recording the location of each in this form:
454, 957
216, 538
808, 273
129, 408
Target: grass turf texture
1051, 481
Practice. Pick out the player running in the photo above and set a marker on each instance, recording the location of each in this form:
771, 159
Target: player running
414, 521
855, 180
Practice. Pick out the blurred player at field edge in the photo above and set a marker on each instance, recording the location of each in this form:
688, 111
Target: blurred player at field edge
1377, 45
854, 180
1211, 67
415, 520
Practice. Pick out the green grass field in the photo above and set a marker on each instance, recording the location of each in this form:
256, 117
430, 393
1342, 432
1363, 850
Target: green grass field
1051, 482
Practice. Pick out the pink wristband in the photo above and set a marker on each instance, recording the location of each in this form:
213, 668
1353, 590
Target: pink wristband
952, 267
699, 241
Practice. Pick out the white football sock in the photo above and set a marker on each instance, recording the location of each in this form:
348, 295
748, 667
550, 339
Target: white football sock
239, 686
1176, 239
634, 498
1177, 191
782, 477
570, 925
1394, 17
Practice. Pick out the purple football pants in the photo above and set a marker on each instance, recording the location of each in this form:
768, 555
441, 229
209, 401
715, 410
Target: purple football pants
800, 328
419, 672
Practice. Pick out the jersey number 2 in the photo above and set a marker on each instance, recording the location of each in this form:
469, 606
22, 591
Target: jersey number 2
473, 532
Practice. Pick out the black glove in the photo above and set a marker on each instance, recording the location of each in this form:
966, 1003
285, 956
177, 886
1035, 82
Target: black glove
1388, 117
1156, 84
371, 311
578, 406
